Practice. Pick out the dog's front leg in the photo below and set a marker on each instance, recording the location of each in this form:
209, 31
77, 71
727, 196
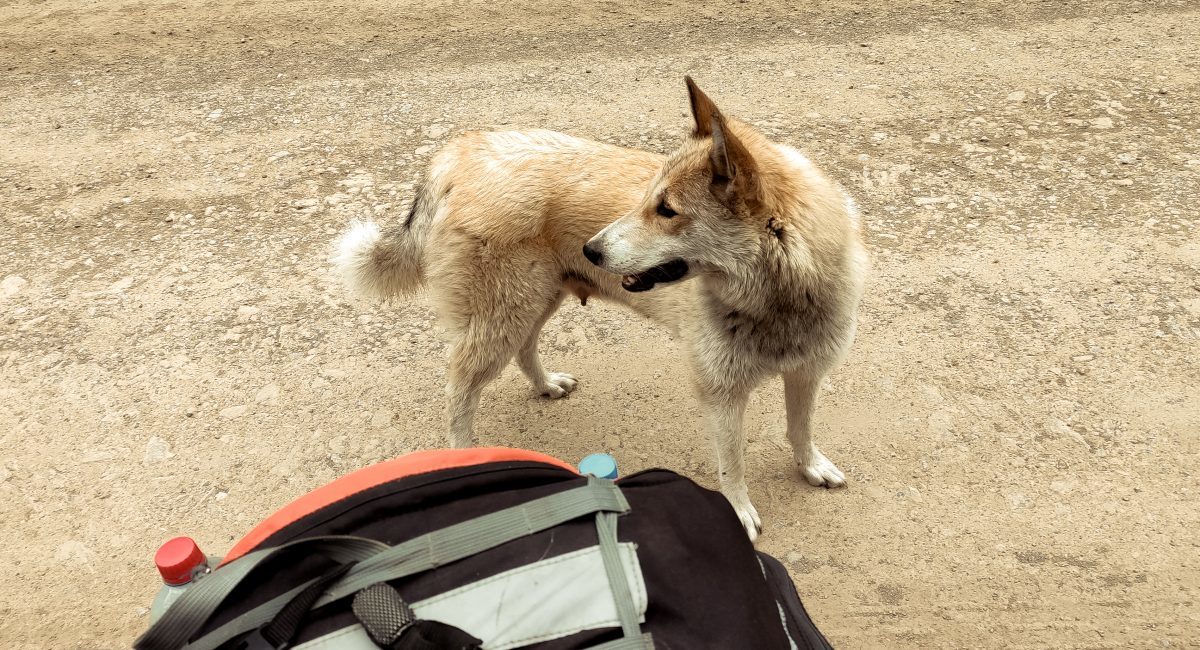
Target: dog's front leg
723, 411
800, 389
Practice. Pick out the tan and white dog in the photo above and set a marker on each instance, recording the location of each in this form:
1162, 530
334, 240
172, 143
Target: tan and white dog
507, 224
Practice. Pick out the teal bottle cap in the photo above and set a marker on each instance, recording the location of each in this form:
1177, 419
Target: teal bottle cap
599, 465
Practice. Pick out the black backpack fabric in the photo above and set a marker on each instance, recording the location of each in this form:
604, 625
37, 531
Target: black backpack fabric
497, 549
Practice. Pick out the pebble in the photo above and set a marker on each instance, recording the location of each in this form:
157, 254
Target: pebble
157, 450
423, 149
12, 285
190, 136
234, 412
1127, 158
97, 456
268, 394
381, 418
216, 115
1017, 96
278, 155
1061, 487
246, 312
1083, 357
1102, 123
75, 551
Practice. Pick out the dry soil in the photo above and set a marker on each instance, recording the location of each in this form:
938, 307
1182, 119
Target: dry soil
1018, 420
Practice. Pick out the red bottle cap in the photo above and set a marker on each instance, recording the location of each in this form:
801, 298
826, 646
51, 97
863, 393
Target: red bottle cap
177, 559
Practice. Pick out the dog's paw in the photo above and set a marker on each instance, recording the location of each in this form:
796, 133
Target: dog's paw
558, 384
821, 471
745, 511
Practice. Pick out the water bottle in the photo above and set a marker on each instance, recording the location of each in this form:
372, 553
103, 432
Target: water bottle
599, 465
180, 562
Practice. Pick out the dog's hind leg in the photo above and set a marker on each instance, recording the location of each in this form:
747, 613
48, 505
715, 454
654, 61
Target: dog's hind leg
800, 391
550, 384
491, 303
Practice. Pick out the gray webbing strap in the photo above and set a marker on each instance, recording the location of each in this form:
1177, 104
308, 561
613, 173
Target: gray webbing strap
440, 547
606, 532
198, 603
640, 642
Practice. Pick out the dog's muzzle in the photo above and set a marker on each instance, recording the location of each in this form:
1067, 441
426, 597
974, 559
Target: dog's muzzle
666, 272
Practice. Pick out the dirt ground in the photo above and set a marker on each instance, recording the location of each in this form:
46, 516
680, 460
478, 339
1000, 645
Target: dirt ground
1019, 419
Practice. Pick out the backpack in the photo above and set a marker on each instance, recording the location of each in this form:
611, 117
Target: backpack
496, 549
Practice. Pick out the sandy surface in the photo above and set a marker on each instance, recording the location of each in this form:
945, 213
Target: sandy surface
1019, 419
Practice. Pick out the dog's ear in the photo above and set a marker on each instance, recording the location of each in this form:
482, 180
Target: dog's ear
734, 172
703, 109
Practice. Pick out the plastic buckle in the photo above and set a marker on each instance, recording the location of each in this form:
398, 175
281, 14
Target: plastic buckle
256, 641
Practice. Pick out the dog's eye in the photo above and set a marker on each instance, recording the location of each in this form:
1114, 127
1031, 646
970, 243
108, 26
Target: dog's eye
664, 211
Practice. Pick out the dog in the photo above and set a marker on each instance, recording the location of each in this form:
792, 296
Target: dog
740, 246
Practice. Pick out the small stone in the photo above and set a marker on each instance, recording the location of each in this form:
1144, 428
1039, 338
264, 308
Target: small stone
381, 418
12, 285
216, 115
1102, 123
121, 285
423, 149
234, 412
1016, 499
1126, 182
1061, 487
1127, 158
789, 73
190, 136
247, 312
1017, 96
157, 450
435, 131
221, 495
336, 199
97, 456
933, 138
77, 552
1083, 357
268, 394
278, 155
302, 204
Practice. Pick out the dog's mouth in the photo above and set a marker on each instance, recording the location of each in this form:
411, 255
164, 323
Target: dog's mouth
663, 273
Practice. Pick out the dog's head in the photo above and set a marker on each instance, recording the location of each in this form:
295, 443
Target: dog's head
694, 217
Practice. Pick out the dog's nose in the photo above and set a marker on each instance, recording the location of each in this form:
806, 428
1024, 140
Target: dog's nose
594, 256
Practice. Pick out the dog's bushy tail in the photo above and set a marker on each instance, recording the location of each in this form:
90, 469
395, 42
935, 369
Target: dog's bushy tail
382, 263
